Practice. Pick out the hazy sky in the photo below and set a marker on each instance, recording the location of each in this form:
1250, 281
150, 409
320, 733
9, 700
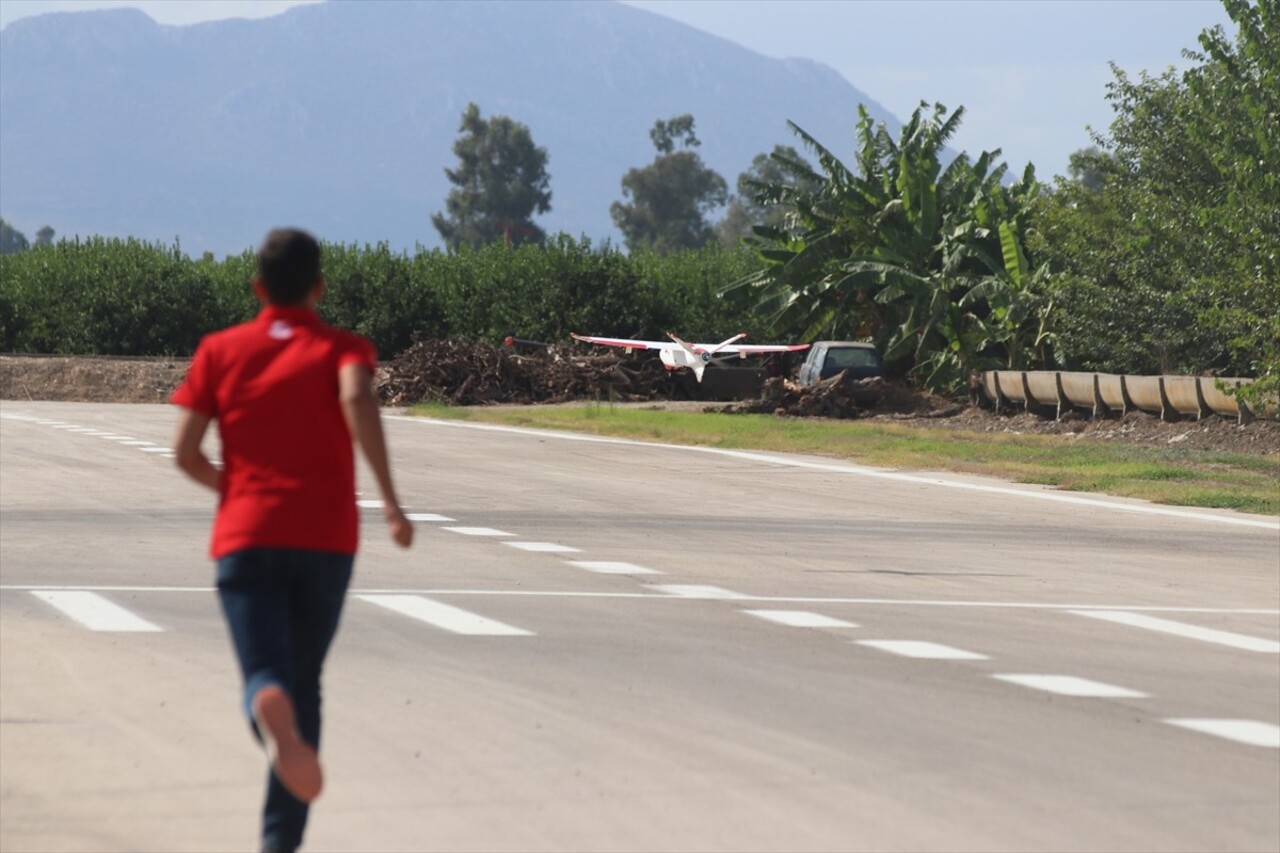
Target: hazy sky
1031, 74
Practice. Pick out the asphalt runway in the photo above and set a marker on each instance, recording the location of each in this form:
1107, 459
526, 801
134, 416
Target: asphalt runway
603, 645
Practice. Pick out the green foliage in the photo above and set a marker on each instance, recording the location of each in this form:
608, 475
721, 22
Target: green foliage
125, 297
931, 263
11, 239
501, 181
667, 202
746, 210
109, 297
1169, 256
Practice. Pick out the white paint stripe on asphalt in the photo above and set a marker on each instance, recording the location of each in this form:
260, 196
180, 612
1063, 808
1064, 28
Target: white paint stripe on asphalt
155, 449
610, 567
861, 471
445, 616
1249, 732
1181, 629
476, 531
682, 590
1070, 685
370, 504
543, 547
92, 588
93, 611
922, 649
427, 516
137, 442
892, 602
801, 619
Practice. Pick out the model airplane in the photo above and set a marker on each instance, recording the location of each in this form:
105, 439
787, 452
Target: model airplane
695, 356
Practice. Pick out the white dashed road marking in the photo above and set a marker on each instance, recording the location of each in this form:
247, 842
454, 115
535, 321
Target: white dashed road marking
369, 504
476, 531
543, 547
445, 616
609, 567
1250, 732
696, 591
800, 619
922, 649
427, 516
93, 611
1181, 629
1070, 685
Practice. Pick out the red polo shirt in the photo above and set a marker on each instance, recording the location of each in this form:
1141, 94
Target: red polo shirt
288, 477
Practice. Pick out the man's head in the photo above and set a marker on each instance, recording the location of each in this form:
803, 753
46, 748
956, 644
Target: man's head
288, 266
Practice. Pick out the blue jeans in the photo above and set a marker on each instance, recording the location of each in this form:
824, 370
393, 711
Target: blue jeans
282, 607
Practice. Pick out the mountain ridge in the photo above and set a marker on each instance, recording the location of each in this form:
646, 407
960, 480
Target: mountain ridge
341, 116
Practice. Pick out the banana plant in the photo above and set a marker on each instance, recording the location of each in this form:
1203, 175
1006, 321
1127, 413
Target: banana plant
893, 249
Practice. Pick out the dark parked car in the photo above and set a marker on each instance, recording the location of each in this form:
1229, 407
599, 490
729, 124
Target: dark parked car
827, 358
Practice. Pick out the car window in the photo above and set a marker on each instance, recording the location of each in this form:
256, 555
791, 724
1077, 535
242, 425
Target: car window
845, 358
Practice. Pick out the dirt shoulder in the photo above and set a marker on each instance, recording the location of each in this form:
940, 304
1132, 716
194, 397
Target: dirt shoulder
151, 380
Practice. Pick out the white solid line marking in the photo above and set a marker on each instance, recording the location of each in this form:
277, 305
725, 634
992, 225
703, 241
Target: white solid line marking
476, 531
1249, 732
696, 591
610, 567
94, 612
155, 449
922, 649
445, 616
1181, 629
801, 619
1070, 685
543, 547
427, 516
858, 470
370, 504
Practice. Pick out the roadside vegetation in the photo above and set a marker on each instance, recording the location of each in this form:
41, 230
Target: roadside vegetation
1237, 481
1156, 254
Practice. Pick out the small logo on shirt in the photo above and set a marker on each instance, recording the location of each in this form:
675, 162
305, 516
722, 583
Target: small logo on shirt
280, 330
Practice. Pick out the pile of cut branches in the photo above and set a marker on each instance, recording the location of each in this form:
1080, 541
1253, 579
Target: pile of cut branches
836, 397
467, 373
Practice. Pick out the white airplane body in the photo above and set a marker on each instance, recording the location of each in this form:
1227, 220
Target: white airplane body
676, 354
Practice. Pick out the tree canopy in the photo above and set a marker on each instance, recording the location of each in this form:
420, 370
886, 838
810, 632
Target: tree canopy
500, 182
1170, 255
11, 239
746, 211
666, 203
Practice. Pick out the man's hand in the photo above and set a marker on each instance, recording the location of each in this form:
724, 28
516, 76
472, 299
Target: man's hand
400, 528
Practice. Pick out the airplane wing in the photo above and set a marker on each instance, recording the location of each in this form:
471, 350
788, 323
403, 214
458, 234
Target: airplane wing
625, 343
751, 349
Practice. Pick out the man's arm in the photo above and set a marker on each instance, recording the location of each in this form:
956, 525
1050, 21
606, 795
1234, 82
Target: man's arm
186, 449
360, 407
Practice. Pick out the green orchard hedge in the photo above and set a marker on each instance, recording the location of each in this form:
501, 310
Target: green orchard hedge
127, 297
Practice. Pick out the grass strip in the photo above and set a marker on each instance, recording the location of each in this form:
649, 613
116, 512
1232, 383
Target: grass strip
1214, 479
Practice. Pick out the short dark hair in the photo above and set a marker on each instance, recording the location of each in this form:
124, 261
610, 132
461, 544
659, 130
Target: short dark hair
288, 265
